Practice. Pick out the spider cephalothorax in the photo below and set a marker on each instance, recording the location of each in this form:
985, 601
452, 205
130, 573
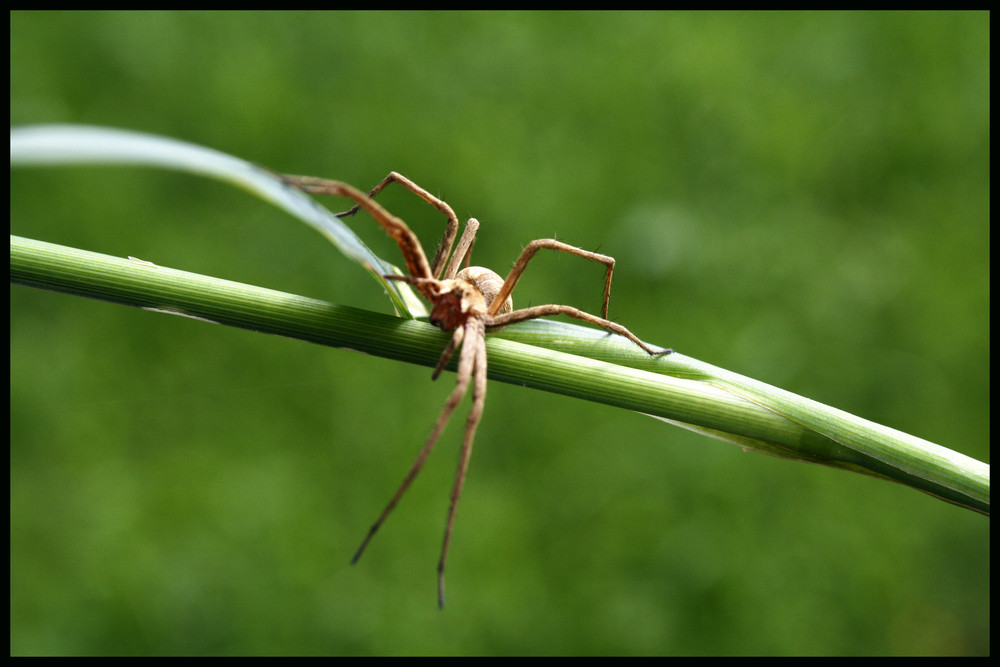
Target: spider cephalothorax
468, 294
466, 302
456, 302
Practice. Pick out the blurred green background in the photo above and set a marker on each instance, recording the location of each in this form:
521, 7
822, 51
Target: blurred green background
801, 198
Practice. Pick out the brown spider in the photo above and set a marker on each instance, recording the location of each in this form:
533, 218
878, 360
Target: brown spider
467, 301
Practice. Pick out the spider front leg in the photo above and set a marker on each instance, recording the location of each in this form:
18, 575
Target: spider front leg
451, 231
409, 244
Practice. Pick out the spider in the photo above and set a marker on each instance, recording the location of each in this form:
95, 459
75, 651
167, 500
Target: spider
467, 302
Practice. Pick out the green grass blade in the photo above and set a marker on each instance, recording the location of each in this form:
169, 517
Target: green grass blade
60, 145
566, 359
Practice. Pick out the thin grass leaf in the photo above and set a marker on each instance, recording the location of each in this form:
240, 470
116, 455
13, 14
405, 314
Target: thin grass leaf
561, 358
60, 145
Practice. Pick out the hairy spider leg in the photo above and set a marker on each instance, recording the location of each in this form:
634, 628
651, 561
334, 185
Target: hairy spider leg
475, 339
444, 248
534, 312
529, 251
471, 366
453, 400
549, 310
409, 245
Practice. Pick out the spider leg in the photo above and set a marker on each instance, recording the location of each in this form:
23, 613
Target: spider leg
441, 256
498, 320
535, 312
529, 251
466, 365
463, 251
456, 340
474, 348
409, 245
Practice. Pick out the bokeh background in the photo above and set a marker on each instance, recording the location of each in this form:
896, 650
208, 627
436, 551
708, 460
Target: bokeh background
801, 198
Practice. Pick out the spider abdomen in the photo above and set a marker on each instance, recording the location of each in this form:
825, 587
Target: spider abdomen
488, 283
